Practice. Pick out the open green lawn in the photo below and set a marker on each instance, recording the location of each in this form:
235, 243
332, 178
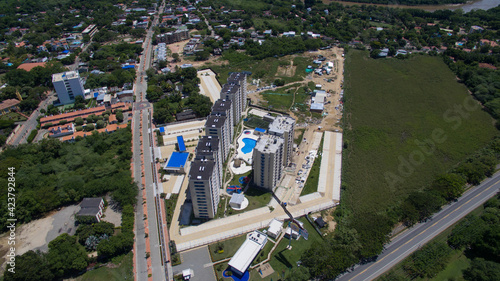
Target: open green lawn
122, 271
263, 253
283, 259
311, 184
406, 121
458, 262
229, 246
236, 178
279, 99
266, 69
257, 198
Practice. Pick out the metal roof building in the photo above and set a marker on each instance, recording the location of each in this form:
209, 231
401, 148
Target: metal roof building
255, 242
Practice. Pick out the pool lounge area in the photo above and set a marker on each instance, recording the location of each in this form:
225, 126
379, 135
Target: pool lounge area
242, 162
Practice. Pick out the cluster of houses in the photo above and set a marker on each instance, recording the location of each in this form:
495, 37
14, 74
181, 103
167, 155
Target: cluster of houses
461, 44
66, 130
72, 39
175, 14
143, 21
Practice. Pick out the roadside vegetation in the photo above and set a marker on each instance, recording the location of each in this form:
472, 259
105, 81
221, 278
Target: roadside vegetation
175, 92
465, 251
120, 268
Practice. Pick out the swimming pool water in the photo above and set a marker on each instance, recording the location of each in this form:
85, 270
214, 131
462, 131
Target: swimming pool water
249, 145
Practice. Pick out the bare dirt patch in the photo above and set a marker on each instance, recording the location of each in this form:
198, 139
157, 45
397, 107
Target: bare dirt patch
112, 213
29, 236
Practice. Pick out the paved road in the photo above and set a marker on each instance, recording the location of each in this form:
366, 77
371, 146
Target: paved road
30, 124
409, 241
143, 108
140, 241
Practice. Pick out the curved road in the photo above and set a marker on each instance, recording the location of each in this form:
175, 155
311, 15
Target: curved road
412, 239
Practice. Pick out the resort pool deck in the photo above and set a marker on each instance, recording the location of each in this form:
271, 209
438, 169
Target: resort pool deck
246, 142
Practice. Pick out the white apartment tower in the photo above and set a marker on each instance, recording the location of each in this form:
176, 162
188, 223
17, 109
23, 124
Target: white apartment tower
268, 161
224, 108
232, 92
68, 85
284, 126
218, 126
241, 80
204, 188
208, 149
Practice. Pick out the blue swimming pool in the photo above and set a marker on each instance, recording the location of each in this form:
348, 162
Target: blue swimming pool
249, 145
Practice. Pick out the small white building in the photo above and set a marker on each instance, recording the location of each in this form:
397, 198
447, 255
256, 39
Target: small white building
275, 228
236, 200
187, 274
255, 242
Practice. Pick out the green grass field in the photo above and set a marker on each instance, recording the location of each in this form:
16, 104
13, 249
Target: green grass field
406, 121
121, 270
279, 99
266, 69
311, 184
230, 246
282, 259
257, 198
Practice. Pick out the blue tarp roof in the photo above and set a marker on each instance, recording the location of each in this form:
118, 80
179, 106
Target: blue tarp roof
260, 130
128, 66
177, 160
180, 142
96, 94
162, 129
65, 51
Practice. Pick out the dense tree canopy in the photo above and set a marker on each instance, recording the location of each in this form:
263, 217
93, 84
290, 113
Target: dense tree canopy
51, 174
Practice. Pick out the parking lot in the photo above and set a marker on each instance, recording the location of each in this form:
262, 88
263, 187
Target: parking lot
199, 261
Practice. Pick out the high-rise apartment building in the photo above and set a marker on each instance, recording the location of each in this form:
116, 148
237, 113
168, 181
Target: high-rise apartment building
208, 149
241, 80
284, 126
204, 188
232, 92
224, 108
68, 85
268, 161
218, 126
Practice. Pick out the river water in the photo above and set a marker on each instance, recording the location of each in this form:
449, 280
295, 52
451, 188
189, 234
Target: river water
480, 4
